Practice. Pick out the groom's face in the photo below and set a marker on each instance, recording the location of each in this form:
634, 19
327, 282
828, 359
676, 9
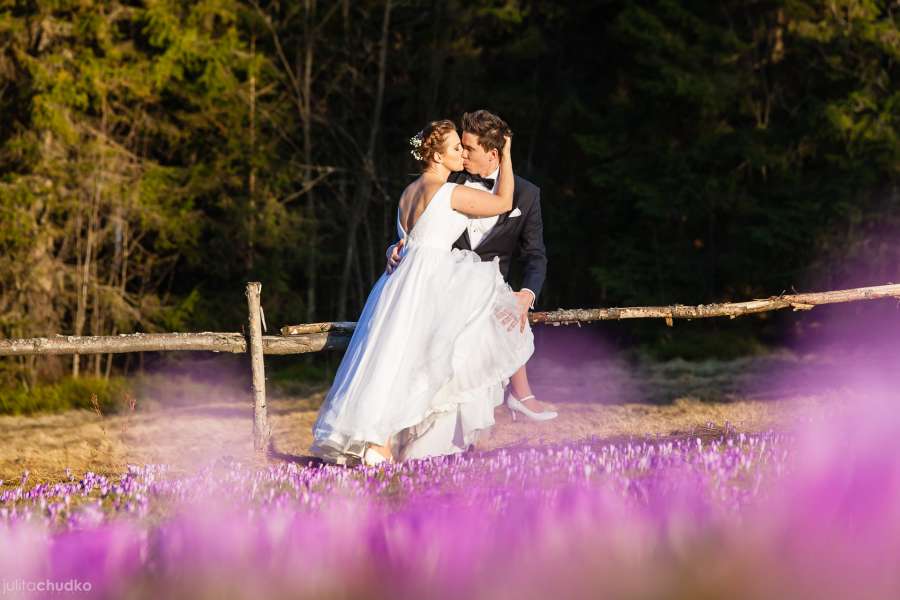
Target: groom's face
475, 159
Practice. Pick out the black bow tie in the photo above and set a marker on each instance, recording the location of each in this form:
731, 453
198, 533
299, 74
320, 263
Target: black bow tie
487, 182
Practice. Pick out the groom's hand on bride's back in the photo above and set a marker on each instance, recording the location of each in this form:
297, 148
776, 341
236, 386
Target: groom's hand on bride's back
393, 257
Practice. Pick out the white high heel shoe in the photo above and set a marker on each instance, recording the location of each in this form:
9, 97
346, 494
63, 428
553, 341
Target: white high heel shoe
372, 457
517, 405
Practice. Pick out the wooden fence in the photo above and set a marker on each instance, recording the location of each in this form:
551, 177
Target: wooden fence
315, 337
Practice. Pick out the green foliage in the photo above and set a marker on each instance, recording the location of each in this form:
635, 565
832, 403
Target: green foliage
67, 394
688, 151
180, 316
294, 375
734, 140
702, 343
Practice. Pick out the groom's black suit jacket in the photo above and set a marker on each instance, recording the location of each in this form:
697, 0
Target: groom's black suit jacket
521, 236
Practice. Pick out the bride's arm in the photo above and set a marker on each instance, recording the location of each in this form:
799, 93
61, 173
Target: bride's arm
476, 203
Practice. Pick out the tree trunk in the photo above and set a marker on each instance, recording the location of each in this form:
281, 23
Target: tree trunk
251, 177
363, 191
312, 266
438, 52
84, 275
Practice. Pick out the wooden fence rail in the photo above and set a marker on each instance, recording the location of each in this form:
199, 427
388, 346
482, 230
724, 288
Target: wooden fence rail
316, 337
208, 341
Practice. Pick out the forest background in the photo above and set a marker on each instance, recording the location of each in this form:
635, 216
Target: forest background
156, 155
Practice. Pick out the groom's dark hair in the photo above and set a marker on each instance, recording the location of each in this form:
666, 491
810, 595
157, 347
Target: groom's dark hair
489, 128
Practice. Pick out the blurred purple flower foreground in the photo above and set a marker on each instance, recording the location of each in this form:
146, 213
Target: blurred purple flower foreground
813, 514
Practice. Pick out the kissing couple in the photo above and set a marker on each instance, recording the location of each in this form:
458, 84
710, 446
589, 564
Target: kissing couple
441, 331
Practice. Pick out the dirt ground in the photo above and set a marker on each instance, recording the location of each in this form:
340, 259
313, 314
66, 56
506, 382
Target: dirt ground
188, 437
598, 396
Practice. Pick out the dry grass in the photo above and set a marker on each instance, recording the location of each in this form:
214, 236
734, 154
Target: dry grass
605, 398
187, 437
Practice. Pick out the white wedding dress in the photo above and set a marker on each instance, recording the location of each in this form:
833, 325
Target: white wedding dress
425, 366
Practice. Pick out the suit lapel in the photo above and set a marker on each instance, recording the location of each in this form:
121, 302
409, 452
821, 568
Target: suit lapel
501, 220
492, 233
457, 177
466, 242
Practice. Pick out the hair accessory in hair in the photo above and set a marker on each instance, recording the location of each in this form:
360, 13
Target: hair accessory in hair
416, 143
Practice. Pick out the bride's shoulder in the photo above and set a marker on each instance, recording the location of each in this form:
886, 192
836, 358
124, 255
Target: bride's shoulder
411, 191
429, 186
412, 186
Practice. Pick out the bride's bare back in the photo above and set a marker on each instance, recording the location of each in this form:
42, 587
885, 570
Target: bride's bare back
415, 200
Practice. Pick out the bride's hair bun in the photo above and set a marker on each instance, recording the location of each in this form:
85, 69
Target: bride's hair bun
430, 141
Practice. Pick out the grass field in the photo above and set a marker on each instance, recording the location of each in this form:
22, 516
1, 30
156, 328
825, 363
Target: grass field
757, 478
603, 399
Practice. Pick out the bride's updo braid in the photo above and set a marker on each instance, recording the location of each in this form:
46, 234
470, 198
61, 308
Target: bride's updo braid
430, 141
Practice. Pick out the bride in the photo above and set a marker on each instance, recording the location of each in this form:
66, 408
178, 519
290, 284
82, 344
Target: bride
438, 336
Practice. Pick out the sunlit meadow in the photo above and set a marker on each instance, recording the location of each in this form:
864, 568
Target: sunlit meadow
811, 513
807, 509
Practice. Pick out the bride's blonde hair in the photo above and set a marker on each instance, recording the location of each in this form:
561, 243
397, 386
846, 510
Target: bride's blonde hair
430, 141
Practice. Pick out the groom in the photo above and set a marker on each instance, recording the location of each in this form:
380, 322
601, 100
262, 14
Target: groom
518, 233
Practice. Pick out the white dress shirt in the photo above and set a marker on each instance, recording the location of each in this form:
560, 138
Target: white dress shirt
478, 228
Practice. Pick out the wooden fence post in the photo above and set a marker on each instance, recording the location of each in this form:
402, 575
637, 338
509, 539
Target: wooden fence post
261, 431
